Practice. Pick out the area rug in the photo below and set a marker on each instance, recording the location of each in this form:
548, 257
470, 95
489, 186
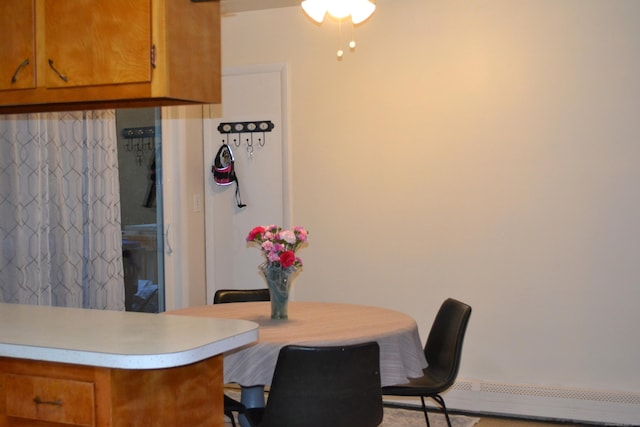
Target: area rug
394, 417
397, 417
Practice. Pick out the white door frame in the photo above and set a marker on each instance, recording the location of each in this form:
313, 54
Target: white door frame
183, 192
215, 112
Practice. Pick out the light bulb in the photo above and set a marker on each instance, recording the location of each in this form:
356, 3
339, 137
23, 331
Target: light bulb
340, 53
339, 8
352, 44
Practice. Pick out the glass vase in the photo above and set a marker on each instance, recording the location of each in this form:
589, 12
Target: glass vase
279, 283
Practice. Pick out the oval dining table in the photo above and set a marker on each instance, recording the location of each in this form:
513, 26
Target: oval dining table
315, 324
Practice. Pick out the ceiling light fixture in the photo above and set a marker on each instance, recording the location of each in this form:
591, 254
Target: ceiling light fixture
359, 10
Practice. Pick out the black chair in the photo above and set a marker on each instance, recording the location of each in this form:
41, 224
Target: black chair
241, 295
230, 406
223, 296
323, 387
442, 350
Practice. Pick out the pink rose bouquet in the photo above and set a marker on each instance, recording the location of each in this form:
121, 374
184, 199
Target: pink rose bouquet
279, 245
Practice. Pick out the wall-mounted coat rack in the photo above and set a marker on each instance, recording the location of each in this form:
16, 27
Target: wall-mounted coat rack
144, 132
250, 128
139, 140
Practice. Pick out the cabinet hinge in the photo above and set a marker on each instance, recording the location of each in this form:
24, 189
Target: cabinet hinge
153, 56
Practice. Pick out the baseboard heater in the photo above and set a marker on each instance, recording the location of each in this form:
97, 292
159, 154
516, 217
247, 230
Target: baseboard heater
589, 406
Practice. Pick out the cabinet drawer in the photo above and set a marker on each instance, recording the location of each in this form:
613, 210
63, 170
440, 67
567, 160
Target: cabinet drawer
50, 399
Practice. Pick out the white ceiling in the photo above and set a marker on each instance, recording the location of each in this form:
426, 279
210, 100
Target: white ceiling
233, 6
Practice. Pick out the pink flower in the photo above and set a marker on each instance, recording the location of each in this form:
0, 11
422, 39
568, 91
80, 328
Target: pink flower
287, 259
257, 231
301, 233
273, 257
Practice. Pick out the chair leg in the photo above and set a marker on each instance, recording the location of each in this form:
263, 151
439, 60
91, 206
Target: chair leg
424, 409
440, 401
230, 416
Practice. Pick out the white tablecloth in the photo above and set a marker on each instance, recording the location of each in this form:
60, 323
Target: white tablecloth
314, 323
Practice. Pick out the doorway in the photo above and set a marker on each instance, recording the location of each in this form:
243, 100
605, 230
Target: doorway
141, 201
262, 164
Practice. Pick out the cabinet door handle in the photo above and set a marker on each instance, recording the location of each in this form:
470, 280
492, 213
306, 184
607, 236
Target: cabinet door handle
23, 64
62, 76
39, 401
153, 56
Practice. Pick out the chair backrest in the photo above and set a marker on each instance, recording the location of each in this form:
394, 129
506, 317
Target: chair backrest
326, 387
443, 348
240, 295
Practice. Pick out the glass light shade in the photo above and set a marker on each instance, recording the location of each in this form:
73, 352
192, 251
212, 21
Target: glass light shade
316, 9
361, 10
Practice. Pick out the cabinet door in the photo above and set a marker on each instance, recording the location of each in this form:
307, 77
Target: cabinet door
17, 44
90, 42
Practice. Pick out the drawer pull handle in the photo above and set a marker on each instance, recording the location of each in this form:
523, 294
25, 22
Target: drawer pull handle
62, 76
23, 64
39, 401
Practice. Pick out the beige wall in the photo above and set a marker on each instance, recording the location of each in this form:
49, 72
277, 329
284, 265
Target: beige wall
484, 150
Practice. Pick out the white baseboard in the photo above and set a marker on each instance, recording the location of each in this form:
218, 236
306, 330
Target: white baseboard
602, 407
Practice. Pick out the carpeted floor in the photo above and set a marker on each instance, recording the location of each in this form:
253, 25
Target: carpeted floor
409, 418
394, 417
404, 418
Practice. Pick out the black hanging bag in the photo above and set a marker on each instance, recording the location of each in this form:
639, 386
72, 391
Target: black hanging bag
224, 171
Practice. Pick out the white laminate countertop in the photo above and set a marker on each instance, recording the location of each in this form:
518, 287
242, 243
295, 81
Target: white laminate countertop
116, 339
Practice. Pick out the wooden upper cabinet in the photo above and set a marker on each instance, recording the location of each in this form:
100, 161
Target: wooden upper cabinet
87, 54
17, 45
109, 42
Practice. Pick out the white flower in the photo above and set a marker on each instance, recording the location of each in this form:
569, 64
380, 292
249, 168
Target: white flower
288, 236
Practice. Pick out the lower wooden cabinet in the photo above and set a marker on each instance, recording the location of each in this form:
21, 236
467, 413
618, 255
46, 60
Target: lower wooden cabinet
50, 399
46, 394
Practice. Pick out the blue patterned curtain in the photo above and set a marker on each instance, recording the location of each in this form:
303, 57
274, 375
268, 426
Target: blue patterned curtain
60, 233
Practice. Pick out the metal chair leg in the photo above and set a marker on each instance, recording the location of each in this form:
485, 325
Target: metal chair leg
440, 401
233, 421
424, 409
